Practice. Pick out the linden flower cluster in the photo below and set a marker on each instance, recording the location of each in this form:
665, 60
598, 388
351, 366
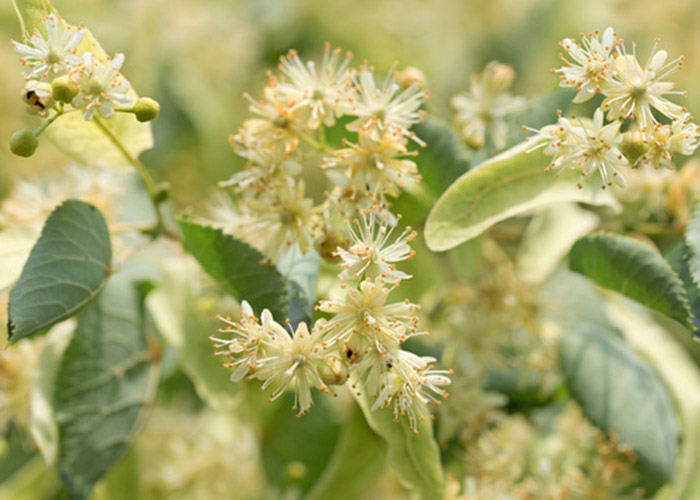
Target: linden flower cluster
660, 128
63, 77
285, 140
361, 341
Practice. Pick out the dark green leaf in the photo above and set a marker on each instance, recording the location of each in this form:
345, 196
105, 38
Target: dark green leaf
444, 158
66, 269
677, 258
504, 186
634, 270
238, 268
618, 390
105, 384
692, 256
415, 457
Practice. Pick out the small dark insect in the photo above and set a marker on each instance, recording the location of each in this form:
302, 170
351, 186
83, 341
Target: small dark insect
35, 101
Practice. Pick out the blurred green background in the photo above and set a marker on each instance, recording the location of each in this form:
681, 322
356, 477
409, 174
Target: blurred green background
197, 57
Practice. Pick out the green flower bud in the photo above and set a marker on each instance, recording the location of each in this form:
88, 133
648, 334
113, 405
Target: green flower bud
63, 89
163, 192
633, 145
146, 109
295, 471
24, 143
333, 371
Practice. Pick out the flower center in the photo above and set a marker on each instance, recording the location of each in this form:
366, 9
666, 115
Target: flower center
317, 95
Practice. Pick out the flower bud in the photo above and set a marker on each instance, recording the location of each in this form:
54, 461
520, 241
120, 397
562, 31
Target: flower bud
295, 471
63, 89
498, 77
24, 143
333, 371
146, 109
633, 145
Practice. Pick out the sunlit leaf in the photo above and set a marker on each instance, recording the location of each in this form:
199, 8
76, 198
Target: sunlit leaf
414, 457
301, 271
507, 185
237, 267
66, 269
634, 270
104, 385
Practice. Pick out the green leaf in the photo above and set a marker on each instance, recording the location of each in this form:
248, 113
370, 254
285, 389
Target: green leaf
682, 378
185, 316
415, 457
66, 269
444, 158
677, 258
81, 140
237, 267
301, 271
633, 269
618, 390
504, 186
105, 384
692, 242
358, 460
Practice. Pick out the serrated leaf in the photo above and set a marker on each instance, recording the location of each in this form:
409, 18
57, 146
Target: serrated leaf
104, 385
66, 269
504, 186
677, 258
618, 390
81, 140
414, 457
692, 242
237, 267
633, 269
358, 460
444, 158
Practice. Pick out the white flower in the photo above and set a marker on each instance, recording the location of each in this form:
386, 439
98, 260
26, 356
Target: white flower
410, 385
633, 90
588, 146
589, 67
387, 107
377, 163
266, 351
100, 86
53, 56
365, 313
481, 111
370, 253
317, 93
665, 140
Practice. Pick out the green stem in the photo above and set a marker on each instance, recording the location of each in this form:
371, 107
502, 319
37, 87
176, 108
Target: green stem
48, 122
320, 146
161, 227
322, 135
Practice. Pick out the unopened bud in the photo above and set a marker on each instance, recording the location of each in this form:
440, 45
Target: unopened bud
63, 89
24, 143
295, 471
333, 371
146, 109
633, 145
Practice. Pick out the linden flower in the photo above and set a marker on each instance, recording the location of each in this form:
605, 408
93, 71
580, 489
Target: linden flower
589, 67
633, 91
38, 97
365, 313
665, 140
100, 86
591, 147
275, 123
316, 92
410, 385
377, 164
53, 56
285, 216
481, 111
385, 108
370, 253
